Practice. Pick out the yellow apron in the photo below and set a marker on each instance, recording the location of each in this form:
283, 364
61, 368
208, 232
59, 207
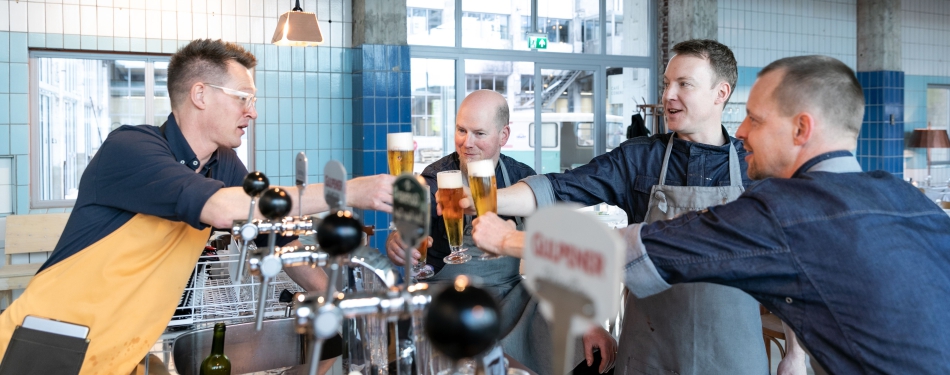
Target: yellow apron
125, 288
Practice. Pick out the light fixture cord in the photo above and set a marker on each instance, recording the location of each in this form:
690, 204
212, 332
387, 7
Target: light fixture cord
298, 8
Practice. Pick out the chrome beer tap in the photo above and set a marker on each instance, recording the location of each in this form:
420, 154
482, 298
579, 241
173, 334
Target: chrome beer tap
274, 205
254, 184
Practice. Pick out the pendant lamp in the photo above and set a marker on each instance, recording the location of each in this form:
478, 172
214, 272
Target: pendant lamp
297, 28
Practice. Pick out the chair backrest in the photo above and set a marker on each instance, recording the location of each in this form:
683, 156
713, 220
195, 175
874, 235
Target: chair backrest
33, 233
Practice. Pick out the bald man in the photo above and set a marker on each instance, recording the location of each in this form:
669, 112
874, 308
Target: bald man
481, 131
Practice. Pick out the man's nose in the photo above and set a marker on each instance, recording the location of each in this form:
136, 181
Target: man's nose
743, 129
251, 112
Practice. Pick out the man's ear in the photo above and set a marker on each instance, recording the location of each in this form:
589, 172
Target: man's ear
803, 126
505, 132
197, 95
723, 90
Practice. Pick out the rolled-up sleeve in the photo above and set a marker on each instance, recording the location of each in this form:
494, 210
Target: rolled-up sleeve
639, 273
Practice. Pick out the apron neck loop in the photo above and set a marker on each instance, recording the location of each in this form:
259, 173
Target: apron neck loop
735, 172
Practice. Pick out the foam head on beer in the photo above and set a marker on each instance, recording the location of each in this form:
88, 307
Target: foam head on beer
481, 168
399, 141
449, 180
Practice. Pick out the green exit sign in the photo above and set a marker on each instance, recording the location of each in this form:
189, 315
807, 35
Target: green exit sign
537, 41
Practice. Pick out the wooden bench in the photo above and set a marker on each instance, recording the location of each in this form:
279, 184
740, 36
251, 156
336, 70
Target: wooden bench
27, 234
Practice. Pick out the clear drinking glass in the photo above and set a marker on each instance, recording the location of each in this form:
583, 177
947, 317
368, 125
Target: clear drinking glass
481, 180
421, 270
450, 192
400, 156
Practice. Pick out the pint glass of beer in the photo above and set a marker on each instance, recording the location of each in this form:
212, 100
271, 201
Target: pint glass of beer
399, 153
449, 194
481, 179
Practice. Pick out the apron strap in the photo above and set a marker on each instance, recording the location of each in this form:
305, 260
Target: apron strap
735, 172
507, 181
666, 160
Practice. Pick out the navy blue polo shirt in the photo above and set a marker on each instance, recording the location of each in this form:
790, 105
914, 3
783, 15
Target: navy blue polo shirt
144, 169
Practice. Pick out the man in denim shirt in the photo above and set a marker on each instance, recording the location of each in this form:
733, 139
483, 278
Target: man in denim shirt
855, 262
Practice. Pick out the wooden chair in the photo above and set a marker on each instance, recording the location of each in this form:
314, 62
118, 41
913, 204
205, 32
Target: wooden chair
27, 234
772, 331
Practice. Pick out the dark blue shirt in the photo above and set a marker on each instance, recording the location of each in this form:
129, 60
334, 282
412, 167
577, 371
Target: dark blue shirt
144, 169
624, 176
858, 264
440, 245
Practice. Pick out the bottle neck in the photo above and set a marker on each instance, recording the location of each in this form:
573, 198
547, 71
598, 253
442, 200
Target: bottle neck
217, 346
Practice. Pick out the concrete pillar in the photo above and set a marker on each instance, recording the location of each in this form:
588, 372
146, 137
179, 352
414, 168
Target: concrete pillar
379, 22
881, 142
381, 97
683, 20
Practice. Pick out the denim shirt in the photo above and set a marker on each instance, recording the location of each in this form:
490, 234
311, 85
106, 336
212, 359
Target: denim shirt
624, 176
857, 263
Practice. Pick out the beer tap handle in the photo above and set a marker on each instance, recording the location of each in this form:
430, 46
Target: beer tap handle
274, 205
301, 180
254, 184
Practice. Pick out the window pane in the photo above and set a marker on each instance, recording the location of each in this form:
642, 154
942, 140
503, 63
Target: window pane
430, 22
495, 24
571, 25
938, 117
163, 105
627, 28
433, 109
626, 88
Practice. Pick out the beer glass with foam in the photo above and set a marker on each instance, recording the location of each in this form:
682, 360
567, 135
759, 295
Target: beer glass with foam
399, 153
449, 194
481, 180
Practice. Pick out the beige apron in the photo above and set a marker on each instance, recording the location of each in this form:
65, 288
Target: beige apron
695, 328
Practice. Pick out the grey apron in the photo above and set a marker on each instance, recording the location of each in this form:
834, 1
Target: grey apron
695, 328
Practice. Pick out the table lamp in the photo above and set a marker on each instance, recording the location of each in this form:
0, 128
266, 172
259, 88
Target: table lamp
929, 138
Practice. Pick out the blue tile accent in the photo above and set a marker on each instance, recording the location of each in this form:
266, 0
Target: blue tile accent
348, 60
336, 60
336, 85
325, 139
20, 140
405, 80
313, 137
283, 58
285, 86
105, 43
311, 84
311, 63
286, 112
286, 133
271, 84
4, 139
381, 135
36, 40
323, 58
153, 45
4, 46
312, 111
169, 46
270, 57
369, 137
323, 84
347, 111
300, 110
136, 44
260, 140
405, 110
19, 79
325, 111
4, 77
380, 106
20, 104
336, 115
336, 136
300, 136
19, 52
299, 84
368, 80
5, 109
297, 59
273, 163
273, 138
121, 44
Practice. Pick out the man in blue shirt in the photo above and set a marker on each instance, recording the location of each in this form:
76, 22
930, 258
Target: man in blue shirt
855, 262
146, 205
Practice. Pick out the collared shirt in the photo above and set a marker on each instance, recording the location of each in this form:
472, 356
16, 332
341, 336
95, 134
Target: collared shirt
625, 176
144, 169
440, 245
857, 263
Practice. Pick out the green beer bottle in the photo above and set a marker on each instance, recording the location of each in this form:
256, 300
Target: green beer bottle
217, 363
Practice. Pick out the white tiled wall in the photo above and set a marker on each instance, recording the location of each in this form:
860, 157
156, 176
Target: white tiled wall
241, 21
925, 37
760, 32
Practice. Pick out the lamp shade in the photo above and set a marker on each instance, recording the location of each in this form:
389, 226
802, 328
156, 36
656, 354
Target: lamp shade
297, 29
930, 138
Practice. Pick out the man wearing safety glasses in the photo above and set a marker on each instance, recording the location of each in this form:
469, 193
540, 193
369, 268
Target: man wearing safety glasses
146, 205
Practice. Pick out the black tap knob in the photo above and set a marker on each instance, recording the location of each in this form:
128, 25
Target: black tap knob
285, 296
340, 233
462, 321
274, 203
255, 183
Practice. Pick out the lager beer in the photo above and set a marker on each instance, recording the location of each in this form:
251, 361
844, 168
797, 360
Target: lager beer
481, 179
449, 194
421, 270
399, 153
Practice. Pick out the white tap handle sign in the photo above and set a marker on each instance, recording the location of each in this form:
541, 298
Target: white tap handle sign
572, 263
334, 185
